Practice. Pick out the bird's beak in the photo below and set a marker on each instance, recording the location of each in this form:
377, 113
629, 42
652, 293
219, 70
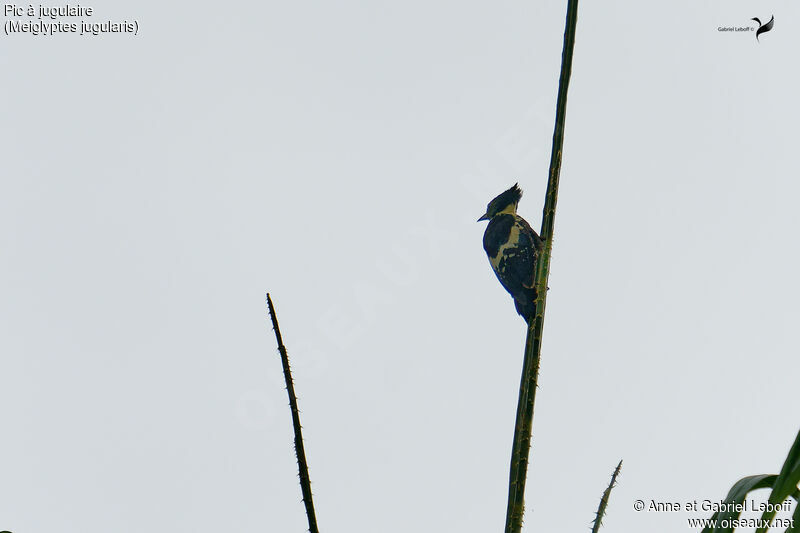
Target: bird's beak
484, 217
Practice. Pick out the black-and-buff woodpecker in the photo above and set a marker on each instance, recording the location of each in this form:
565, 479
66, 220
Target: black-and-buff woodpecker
513, 248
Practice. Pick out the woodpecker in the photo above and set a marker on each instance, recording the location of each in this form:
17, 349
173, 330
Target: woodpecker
513, 248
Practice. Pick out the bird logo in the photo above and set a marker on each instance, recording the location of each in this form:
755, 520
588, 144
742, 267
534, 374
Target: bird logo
513, 248
765, 27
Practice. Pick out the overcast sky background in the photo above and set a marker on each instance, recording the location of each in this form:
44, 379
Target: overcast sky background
337, 154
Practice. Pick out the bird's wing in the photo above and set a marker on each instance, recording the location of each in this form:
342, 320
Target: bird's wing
521, 259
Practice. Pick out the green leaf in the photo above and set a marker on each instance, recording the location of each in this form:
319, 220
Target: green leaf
795, 527
736, 495
786, 483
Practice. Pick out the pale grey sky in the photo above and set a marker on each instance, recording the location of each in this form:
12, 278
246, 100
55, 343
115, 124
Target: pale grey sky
155, 186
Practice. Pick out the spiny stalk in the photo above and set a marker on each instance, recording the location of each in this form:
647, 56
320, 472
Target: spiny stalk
302, 464
533, 342
601, 509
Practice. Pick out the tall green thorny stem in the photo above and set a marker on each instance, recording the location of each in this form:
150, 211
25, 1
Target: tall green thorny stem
601, 509
302, 464
533, 343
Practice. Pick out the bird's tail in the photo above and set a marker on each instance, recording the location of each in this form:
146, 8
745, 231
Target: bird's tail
526, 304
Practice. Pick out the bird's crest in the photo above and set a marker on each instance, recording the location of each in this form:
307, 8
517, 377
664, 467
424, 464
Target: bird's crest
504, 200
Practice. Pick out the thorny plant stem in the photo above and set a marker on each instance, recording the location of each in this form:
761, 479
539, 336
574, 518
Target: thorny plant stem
533, 342
302, 465
601, 509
